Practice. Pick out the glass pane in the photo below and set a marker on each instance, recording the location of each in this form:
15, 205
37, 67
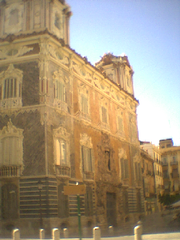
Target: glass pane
63, 152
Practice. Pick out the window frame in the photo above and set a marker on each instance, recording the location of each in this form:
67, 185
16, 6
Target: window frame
60, 135
11, 138
11, 91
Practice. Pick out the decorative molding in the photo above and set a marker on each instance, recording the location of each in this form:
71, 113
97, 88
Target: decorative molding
13, 52
122, 153
61, 132
86, 140
11, 130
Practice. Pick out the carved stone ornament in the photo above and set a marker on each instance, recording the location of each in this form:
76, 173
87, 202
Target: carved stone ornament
61, 133
59, 75
12, 52
122, 153
85, 140
83, 88
11, 130
11, 71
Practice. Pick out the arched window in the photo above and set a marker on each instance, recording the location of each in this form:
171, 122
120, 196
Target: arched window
11, 150
11, 88
61, 151
60, 90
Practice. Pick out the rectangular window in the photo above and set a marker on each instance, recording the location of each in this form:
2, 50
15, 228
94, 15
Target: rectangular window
104, 114
137, 171
86, 159
60, 91
61, 152
10, 88
84, 104
120, 124
124, 169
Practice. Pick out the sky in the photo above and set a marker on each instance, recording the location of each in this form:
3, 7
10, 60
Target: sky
148, 32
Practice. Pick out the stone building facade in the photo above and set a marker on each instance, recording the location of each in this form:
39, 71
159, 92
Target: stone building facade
63, 121
171, 166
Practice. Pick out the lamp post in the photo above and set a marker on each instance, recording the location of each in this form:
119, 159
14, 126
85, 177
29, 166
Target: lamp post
40, 213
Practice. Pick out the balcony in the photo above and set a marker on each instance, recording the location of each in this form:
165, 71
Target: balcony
63, 171
10, 171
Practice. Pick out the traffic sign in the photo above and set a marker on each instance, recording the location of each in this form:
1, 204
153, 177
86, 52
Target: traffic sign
74, 189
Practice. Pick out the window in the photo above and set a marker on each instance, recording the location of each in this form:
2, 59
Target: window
104, 114
137, 171
120, 124
133, 128
60, 90
86, 151
84, 109
11, 88
86, 159
124, 169
61, 149
123, 164
11, 150
57, 21
61, 152
84, 104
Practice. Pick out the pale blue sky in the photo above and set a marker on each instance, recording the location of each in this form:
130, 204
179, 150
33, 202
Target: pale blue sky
148, 32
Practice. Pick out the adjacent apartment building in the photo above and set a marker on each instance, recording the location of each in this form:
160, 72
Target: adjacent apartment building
171, 166
155, 154
148, 178
63, 121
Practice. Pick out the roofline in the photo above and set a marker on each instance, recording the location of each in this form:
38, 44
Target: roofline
11, 37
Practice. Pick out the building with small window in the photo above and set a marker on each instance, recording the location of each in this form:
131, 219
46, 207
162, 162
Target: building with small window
171, 166
63, 121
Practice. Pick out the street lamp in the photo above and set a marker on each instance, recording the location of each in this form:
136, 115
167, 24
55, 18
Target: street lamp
40, 186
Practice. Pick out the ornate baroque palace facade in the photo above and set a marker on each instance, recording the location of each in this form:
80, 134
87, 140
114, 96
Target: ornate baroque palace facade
63, 121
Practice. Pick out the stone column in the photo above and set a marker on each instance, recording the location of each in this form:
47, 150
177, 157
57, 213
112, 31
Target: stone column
55, 234
137, 233
41, 233
65, 232
96, 233
16, 234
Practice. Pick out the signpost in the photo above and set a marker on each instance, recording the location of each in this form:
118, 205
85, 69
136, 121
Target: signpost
76, 190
